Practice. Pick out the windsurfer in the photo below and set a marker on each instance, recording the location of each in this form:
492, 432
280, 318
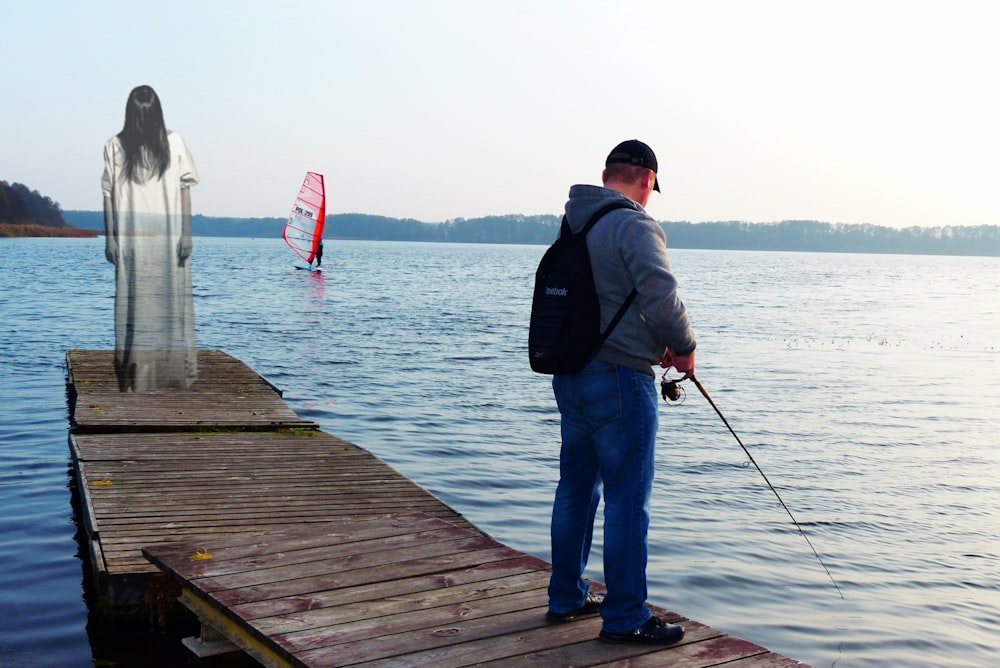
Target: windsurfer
304, 229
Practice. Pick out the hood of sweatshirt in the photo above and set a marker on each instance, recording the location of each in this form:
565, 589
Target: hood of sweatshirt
585, 201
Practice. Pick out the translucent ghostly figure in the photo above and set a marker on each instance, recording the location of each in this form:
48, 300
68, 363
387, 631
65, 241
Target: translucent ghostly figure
148, 172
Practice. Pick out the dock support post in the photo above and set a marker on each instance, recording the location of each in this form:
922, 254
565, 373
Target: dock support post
219, 634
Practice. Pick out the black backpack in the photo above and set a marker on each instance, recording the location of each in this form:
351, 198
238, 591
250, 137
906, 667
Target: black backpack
564, 333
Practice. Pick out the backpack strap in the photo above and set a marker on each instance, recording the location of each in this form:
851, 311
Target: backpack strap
564, 229
607, 208
618, 316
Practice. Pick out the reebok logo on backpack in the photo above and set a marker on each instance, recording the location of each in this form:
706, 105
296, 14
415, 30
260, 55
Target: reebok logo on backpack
564, 332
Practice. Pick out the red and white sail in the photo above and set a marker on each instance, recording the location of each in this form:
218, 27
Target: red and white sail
304, 228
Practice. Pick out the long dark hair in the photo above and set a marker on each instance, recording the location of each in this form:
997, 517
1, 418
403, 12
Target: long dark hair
144, 135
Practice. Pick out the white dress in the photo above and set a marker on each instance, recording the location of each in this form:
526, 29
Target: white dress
154, 309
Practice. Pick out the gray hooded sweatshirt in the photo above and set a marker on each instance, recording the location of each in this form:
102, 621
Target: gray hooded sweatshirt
628, 249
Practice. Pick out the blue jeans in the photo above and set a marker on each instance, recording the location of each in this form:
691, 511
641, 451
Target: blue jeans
609, 422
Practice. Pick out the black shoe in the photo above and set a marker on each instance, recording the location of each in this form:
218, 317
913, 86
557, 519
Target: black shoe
654, 631
590, 605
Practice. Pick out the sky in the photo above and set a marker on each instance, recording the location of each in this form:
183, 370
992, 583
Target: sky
860, 112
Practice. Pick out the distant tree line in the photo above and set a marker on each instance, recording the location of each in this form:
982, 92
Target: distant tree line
789, 235
512, 229
509, 229
810, 235
21, 205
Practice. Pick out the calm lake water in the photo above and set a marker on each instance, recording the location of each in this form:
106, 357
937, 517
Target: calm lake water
866, 387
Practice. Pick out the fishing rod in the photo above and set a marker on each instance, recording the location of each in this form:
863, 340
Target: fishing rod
671, 391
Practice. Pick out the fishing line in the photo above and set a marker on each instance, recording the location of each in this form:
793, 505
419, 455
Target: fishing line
671, 392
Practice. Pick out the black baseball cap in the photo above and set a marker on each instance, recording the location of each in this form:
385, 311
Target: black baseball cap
634, 152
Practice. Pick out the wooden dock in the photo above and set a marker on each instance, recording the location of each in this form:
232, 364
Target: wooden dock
303, 549
227, 394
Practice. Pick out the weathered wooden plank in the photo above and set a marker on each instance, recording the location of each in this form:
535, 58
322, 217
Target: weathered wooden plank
249, 518
702, 647
299, 562
97, 367
441, 563
227, 393
134, 532
384, 561
209, 505
766, 660
243, 555
447, 616
361, 609
460, 632
573, 644
138, 487
83, 485
124, 554
406, 588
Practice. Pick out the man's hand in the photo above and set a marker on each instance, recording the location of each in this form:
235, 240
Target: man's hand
683, 363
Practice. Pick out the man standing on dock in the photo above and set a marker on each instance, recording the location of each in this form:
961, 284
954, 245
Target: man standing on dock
609, 408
